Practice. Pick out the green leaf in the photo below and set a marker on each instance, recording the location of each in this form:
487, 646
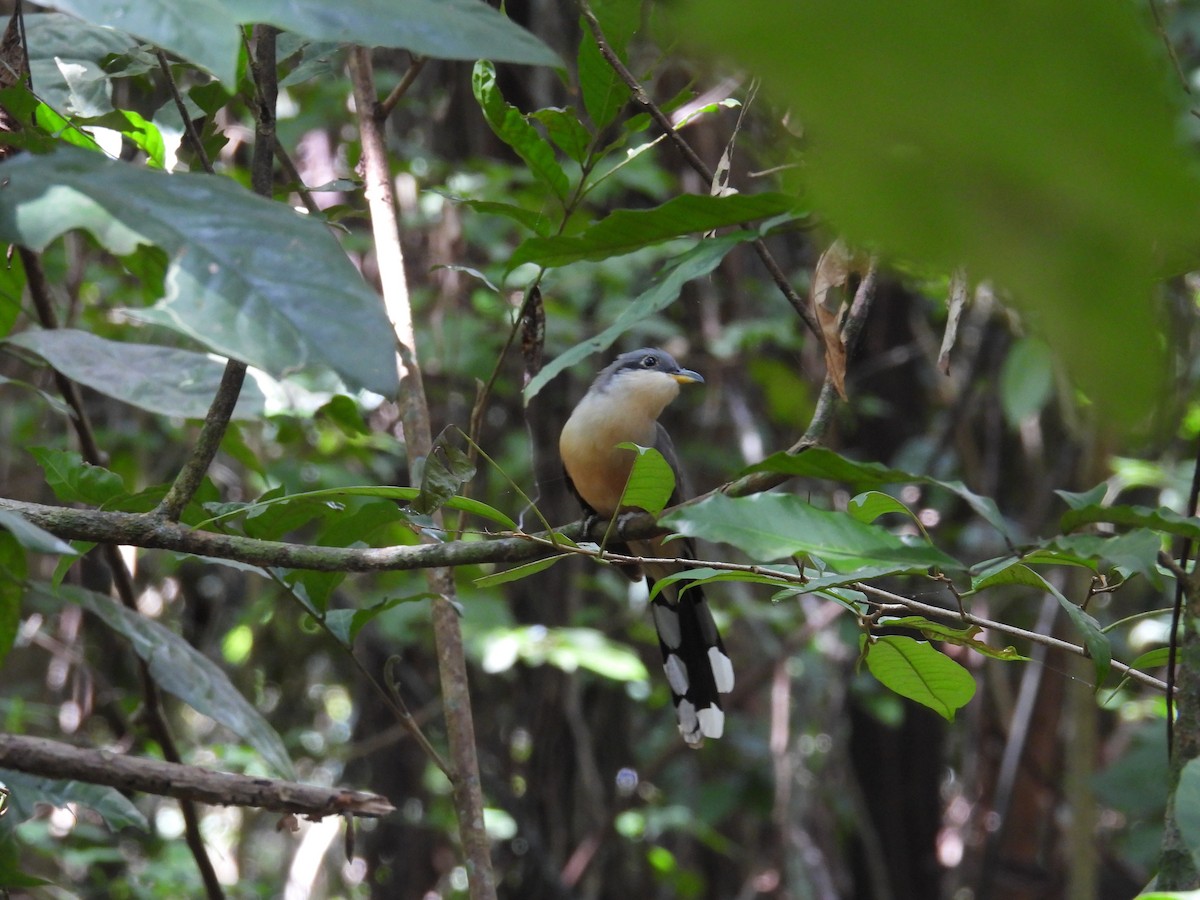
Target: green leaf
1152, 659
626, 230
12, 574
695, 263
1186, 804
821, 462
1078, 500
32, 537
771, 526
249, 278
604, 93
566, 131
74, 481
535, 220
915, 670
651, 481
207, 32
162, 380
955, 135
347, 623
12, 875
516, 573
1135, 552
1010, 571
512, 128
1161, 519
1026, 380
29, 790
963, 637
870, 505
65, 62
182, 670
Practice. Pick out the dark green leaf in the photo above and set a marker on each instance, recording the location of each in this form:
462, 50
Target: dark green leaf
915, 670
512, 128
870, 505
626, 230
161, 380
566, 131
1152, 659
967, 136
1161, 519
1094, 639
347, 623
1187, 808
535, 220
1135, 552
182, 670
771, 526
65, 57
821, 462
249, 278
12, 875
31, 537
1092, 497
695, 263
963, 637
74, 481
30, 790
604, 93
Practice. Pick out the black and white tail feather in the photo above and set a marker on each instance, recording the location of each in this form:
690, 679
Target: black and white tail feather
698, 668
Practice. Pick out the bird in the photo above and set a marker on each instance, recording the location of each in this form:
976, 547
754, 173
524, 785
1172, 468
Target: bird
623, 405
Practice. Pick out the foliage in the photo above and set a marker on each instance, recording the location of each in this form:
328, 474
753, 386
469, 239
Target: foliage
1017, 143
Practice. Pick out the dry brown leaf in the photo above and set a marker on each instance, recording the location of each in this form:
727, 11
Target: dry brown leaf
829, 301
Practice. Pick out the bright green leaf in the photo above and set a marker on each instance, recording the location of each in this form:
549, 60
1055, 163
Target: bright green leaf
604, 93
651, 481
249, 278
74, 481
772, 526
516, 573
915, 670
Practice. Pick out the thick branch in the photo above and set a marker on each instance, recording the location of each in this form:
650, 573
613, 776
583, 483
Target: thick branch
53, 759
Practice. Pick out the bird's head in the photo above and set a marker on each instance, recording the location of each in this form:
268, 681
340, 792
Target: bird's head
646, 379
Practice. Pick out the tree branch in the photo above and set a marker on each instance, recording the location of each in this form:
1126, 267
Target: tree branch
54, 759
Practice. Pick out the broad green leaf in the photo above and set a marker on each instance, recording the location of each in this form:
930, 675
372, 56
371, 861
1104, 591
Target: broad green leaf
703, 575
695, 263
1161, 519
249, 278
1152, 659
1026, 379
511, 127
1078, 500
31, 537
12, 574
968, 135
160, 380
963, 637
182, 670
821, 462
207, 32
516, 573
915, 670
566, 131
651, 481
1186, 804
49, 129
626, 230
29, 790
604, 93
65, 57
771, 526
1094, 639
74, 481
1134, 552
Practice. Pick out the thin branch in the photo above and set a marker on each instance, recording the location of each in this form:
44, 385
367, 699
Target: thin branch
53, 759
189, 127
410, 75
799, 304
460, 726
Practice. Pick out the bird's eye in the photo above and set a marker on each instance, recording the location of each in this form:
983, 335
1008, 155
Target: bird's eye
649, 362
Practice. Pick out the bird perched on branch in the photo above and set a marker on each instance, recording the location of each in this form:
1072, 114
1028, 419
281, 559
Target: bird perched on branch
623, 405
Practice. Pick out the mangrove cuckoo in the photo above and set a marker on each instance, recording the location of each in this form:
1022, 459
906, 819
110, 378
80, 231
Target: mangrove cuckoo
623, 405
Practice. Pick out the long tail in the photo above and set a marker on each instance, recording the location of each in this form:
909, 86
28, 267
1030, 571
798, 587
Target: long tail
698, 669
